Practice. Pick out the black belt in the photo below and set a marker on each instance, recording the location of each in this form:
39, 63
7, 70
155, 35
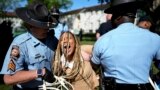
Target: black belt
146, 86
17, 88
110, 84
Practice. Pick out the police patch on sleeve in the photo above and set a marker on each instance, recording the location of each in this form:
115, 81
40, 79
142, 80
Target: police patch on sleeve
15, 52
12, 65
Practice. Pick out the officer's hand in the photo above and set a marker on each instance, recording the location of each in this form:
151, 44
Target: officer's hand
48, 76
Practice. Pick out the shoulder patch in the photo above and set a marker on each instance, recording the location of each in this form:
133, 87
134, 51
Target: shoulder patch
11, 65
15, 52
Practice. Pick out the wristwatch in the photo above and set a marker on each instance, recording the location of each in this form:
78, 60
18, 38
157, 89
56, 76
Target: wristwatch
39, 73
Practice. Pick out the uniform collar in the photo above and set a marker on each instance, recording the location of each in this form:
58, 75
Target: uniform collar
35, 42
126, 26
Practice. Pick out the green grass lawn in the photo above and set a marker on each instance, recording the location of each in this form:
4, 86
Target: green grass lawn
4, 87
88, 39
87, 42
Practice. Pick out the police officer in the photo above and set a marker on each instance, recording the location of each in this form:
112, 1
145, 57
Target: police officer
61, 26
126, 52
105, 26
145, 22
28, 60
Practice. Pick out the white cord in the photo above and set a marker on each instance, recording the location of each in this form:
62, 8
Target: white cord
59, 84
154, 84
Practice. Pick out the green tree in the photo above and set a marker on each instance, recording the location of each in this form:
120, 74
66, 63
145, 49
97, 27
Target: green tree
9, 5
61, 4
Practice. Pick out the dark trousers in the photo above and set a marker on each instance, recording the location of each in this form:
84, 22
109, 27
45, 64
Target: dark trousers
1, 79
17, 88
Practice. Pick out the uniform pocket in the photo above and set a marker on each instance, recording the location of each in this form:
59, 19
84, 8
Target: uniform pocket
37, 62
34, 59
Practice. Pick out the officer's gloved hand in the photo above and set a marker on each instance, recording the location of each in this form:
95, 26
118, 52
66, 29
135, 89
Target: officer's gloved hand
48, 76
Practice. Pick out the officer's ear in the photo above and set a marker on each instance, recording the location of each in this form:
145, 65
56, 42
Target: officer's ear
116, 20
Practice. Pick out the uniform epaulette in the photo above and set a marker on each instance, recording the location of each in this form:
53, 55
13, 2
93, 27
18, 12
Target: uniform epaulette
22, 38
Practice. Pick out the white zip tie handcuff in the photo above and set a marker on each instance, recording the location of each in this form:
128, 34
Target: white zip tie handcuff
59, 84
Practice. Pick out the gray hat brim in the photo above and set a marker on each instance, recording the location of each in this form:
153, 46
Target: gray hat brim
124, 7
22, 13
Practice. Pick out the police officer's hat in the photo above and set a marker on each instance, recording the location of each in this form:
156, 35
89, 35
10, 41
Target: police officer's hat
123, 6
55, 11
36, 14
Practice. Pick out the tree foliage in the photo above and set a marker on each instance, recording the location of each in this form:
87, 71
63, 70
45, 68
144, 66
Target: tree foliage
61, 4
9, 4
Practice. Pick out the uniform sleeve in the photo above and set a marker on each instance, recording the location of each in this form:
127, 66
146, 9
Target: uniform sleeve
96, 53
100, 48
13, 60
158, 51
65, 28
58, 30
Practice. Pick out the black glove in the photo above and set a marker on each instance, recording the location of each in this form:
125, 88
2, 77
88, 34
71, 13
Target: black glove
48, 76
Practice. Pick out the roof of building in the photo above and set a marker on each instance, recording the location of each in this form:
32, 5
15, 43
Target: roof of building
92, 8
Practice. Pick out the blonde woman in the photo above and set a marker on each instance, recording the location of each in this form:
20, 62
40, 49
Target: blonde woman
73, 64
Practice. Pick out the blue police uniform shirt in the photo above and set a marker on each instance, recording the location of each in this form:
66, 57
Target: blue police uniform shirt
126, 53
33, 55
60, 29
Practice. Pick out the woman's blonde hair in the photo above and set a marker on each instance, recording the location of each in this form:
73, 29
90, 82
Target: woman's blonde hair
77, 58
